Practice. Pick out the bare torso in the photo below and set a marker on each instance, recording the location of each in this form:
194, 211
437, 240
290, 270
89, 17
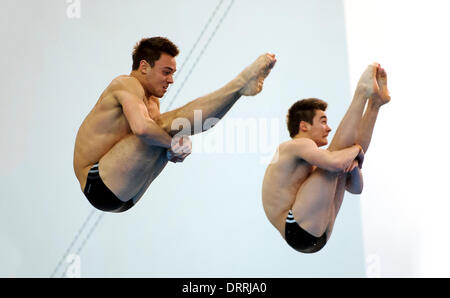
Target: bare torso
106, 125
282, 180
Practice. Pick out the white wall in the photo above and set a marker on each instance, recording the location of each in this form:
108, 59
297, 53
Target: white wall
405, 202
202, 218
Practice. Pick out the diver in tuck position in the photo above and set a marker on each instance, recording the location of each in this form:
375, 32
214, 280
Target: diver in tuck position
124, 142
304, 186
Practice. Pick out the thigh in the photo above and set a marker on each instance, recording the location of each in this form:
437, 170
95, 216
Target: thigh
158, 166
314, 202
337, 202
129, 165
166, 120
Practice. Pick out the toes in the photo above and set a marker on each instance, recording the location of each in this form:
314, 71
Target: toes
374, 69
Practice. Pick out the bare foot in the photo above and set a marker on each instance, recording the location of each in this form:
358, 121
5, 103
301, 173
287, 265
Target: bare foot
382, 96
255, 74
368, 81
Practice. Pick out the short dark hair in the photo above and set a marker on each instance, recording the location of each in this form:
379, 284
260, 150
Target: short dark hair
150, 49
303, 110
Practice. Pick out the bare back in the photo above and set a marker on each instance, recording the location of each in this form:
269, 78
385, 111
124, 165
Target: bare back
105, 126
282, 180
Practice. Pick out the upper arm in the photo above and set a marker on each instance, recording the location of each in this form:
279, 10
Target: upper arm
307, 150
134, 109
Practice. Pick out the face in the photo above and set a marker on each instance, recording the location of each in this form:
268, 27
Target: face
319, 130
160, 76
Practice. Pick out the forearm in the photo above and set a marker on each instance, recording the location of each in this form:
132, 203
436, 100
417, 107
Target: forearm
354, 183
154, 135
342, 159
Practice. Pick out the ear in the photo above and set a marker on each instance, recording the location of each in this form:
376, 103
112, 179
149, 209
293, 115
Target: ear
144, 67
304, 126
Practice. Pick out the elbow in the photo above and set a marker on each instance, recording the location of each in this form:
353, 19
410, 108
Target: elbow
361, 187
357, 191
140, 131
354, 189
354, 185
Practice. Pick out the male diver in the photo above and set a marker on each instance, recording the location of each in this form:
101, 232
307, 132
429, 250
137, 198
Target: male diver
304, 186
125, 142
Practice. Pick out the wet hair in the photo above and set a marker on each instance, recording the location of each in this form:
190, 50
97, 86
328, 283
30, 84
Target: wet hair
303, 110
150, 49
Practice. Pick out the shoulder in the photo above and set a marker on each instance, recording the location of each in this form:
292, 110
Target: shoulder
128, 84
299, 144
301, 148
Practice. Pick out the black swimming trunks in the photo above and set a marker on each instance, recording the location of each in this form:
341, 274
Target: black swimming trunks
300, 240
100, 196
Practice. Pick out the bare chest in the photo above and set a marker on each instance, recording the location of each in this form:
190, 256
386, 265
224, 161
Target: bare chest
283, 179
152, 108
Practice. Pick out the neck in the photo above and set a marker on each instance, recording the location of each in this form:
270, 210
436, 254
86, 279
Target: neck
135, 74
301, 135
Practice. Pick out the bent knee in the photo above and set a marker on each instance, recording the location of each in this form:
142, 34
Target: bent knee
354, 190
171, 124
163, 122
